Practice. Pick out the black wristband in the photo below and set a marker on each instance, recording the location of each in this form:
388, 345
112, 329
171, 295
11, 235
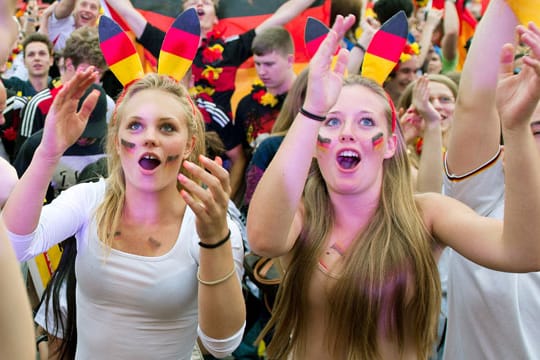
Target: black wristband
361, 47
40, 339
218, 244
311, 116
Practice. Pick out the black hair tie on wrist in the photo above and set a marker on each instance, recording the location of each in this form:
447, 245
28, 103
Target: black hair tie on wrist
312, 116
218, 244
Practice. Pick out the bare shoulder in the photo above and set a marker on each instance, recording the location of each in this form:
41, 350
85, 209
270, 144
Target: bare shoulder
437, 209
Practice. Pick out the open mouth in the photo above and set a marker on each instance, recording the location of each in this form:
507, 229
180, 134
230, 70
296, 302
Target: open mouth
200, 11
149, 162
348, 159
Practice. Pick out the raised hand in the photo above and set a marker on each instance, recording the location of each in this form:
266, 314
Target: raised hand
324, 84
420, 102
64, 125
412, 125
518, 95
208, 201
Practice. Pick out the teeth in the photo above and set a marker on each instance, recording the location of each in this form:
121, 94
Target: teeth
149, 157
349, 153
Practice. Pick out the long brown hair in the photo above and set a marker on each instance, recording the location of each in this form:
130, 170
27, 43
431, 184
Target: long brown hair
391, 262
109, 212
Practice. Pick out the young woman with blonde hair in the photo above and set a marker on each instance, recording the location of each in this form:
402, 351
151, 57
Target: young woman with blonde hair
359, 248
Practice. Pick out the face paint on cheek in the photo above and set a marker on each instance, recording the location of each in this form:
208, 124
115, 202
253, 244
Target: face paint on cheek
129, 146
323, 143
172, 158
377, 141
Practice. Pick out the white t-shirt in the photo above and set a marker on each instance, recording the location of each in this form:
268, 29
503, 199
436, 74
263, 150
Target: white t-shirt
59, 30
128, 306
491, 314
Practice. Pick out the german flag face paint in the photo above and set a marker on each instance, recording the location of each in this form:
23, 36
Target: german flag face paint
377, 141
171, 158
127, 145
323, 143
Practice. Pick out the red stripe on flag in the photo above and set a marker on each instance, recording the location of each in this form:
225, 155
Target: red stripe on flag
386, 45
116, 49
188, 46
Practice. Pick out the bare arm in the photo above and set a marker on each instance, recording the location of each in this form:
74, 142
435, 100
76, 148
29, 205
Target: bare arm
475, 133
16, 324
63, 127
8, 28
513, 245
44, 19
238, 159
369, 28
430, 170
277, 198
434, 16
285, 13
221, 306
451, 31
64, 8
134, 19
518, 97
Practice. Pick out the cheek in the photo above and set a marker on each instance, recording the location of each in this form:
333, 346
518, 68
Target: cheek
127, 146
323, 143
377, 141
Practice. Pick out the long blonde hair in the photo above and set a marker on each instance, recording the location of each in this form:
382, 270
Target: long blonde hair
109, 212
397, 293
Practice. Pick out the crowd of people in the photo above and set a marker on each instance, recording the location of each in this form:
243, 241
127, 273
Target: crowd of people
400, 216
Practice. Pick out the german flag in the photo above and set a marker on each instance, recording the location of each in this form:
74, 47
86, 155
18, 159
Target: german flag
180, 45
119, 51
467, 26
235, 17
385, 49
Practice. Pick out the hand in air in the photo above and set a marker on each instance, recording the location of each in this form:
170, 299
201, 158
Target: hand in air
420, 102
324, 84
208, 200
518, 94
64, 124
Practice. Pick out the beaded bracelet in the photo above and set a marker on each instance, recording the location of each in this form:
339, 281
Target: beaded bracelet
218, 281
218, 244
311, 115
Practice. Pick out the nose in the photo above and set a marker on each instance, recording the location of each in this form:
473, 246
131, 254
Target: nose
150, 139
346, 134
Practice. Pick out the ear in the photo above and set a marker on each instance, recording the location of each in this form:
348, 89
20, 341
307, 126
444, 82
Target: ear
68, 65
189, 147
391, 146
290, 59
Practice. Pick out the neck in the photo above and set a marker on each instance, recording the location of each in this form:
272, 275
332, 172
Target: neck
152, 207
284, 87
38, 82
352, 214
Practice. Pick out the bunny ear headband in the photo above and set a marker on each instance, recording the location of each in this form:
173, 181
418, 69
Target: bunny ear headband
177, 51
382, 54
